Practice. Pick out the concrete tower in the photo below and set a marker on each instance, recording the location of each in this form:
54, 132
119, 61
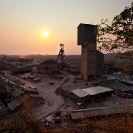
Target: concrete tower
87, 40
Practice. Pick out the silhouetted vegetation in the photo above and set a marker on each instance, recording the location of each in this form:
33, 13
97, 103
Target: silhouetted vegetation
25, 122
118, 34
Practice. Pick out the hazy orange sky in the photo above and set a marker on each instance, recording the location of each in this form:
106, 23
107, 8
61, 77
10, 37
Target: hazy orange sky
23, 21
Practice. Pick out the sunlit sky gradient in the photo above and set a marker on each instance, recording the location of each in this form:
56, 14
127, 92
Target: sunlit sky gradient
23, 21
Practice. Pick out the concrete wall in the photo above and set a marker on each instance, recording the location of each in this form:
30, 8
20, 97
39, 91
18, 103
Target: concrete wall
84, 61
88, 61
80, 35
99, 63
86, 34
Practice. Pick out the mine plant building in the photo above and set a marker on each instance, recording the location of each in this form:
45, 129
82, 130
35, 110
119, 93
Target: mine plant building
91, 59
80, 93
47, 66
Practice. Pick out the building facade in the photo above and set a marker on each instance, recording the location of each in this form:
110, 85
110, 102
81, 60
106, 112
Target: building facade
47, 66
89, 58
99, 63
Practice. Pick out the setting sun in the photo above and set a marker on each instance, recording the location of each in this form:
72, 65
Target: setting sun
45, 33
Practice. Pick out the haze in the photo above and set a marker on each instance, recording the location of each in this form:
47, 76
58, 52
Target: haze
23, 21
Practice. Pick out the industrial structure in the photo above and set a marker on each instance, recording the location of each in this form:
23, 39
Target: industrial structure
47, 66
61, 57
51, 65
83, 95
91, 59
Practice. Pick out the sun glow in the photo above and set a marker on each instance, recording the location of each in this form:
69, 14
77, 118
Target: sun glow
45, 33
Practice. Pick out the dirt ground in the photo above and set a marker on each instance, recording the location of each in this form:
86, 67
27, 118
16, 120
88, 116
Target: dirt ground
45, 79
56, 102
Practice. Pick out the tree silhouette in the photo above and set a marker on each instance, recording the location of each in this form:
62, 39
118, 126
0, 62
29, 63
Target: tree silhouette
118, 34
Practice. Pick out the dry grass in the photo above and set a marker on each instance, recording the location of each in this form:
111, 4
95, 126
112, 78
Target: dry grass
115, 124
23, 122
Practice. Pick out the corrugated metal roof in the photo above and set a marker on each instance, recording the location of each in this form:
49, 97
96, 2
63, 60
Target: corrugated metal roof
93, 112
80, 92
96, 90
15, 103
114, 84
17, 92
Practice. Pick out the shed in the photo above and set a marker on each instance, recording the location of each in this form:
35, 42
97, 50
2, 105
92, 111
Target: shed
115, 84
79, 95
100, 111
96, 90
47, 66
16, 102
65, 90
